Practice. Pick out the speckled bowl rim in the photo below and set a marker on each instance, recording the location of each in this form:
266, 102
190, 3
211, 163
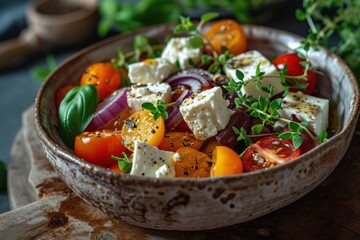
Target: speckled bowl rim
106, 175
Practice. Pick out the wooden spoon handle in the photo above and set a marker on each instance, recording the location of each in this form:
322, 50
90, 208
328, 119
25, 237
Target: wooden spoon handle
12, 50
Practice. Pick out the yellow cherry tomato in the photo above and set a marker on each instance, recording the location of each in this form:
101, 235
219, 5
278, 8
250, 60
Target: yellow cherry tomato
142, 126
226, 162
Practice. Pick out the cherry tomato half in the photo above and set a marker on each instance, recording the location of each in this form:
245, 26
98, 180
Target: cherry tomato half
172, 141
225, 162
227, 33
142, 126
268, 152
98, 147
292, 60
104, 76
192, 163
115, 168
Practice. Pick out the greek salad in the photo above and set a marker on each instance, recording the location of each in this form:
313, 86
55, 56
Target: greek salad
200, 105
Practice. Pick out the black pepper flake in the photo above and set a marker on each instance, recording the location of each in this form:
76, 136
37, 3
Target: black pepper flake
130, 123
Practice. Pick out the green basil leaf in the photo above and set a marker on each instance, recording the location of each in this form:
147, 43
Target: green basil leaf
76, 111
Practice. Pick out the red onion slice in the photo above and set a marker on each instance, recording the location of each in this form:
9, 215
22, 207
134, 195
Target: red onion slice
192, 79
108, 109
174, 113
227, 136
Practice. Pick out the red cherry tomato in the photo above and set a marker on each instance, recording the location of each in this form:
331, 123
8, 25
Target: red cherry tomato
60, 94
292, 60
268, 152
104, 76
115, 168
98, 147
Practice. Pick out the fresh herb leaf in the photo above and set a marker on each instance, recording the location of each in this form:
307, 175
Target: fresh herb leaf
76, 111
124, 163
195, 42
242, 135
157, 111
335, 25
39, 73
208, 17
322, 136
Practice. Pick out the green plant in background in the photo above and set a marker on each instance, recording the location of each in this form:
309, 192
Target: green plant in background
2, 176
39, 73
336, 25
129, 15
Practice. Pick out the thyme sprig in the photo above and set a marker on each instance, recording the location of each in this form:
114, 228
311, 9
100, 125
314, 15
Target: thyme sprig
266, 110
157, 111
142, 45
335, 25
197, 40
124, 163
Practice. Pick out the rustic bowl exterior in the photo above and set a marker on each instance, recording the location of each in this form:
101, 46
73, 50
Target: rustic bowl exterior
196, 204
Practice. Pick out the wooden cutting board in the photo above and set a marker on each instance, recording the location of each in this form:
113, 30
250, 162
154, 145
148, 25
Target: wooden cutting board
45, 208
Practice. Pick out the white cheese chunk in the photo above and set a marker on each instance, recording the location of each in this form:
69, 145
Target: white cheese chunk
206, 113
150, 70
149, 161
176, 51
247, 63
306, 108
148, 93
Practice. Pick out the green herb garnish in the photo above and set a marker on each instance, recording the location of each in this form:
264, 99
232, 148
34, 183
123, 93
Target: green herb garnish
123, 163
39, 73
335, 25
266, 110
157, 111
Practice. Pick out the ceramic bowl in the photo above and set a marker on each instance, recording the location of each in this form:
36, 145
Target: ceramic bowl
196, 204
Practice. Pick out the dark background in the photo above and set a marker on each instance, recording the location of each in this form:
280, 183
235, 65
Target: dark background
18, 89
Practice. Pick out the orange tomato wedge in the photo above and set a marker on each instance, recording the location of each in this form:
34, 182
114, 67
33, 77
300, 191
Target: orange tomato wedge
174, 140
192, 163
142, 126
226, 162
227, 33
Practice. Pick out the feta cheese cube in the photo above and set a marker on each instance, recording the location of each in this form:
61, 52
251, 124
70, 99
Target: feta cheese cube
306, 108
177, 51
206, 113
149, 161
247, 63
148, 93
150, 70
